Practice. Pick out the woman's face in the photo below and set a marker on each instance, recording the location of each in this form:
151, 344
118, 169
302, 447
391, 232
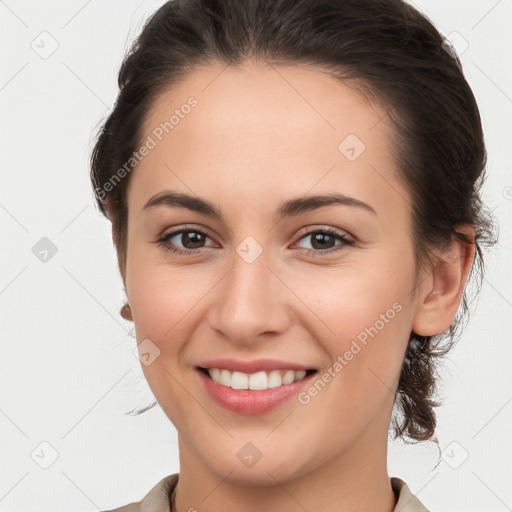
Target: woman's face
256, 285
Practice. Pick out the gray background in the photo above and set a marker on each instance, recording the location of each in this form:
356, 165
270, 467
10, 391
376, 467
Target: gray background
67, 367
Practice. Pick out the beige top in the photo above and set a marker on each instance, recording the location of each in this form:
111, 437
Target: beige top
158, 498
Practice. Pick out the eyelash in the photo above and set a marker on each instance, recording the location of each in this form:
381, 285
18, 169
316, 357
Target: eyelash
312, 252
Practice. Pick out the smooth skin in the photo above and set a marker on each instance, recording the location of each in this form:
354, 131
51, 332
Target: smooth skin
261, 135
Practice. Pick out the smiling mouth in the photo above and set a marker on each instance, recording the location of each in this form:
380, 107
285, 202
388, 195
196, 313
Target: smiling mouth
255, 381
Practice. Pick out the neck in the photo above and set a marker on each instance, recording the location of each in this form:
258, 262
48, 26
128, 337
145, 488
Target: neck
354, 480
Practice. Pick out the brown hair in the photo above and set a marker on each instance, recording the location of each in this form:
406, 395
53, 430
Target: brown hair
386, 49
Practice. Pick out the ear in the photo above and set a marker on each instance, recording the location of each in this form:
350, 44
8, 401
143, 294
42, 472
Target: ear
441, 290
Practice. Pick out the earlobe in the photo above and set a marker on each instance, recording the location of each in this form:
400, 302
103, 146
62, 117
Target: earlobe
440, 297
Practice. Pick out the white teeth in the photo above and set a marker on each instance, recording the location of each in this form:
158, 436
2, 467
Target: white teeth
255, 381
239, 380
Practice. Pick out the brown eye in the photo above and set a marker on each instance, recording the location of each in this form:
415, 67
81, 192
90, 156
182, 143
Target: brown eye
324, 240
190, 239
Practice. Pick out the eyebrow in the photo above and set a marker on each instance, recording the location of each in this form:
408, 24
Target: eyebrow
289, 208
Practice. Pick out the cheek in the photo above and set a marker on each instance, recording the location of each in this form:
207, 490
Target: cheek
358, 298
362, 320
168, 303
161, 299
162, 302
155, 294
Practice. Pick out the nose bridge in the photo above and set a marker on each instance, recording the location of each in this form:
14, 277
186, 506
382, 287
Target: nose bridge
249, 301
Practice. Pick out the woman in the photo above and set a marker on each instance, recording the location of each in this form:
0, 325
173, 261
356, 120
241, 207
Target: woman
294, 195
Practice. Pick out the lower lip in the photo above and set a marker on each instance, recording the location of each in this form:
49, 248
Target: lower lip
249, 401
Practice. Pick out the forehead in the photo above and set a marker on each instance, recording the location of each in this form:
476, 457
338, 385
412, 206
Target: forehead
264, 129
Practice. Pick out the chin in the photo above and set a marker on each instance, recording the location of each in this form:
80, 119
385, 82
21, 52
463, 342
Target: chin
263, 471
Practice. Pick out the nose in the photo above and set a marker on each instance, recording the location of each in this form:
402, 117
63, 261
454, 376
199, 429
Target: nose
250, 301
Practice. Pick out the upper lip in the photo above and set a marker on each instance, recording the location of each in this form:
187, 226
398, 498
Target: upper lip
252, 366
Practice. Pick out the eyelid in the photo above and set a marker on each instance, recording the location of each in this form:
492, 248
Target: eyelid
186, 227
339, 234
302, 232
307, 230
